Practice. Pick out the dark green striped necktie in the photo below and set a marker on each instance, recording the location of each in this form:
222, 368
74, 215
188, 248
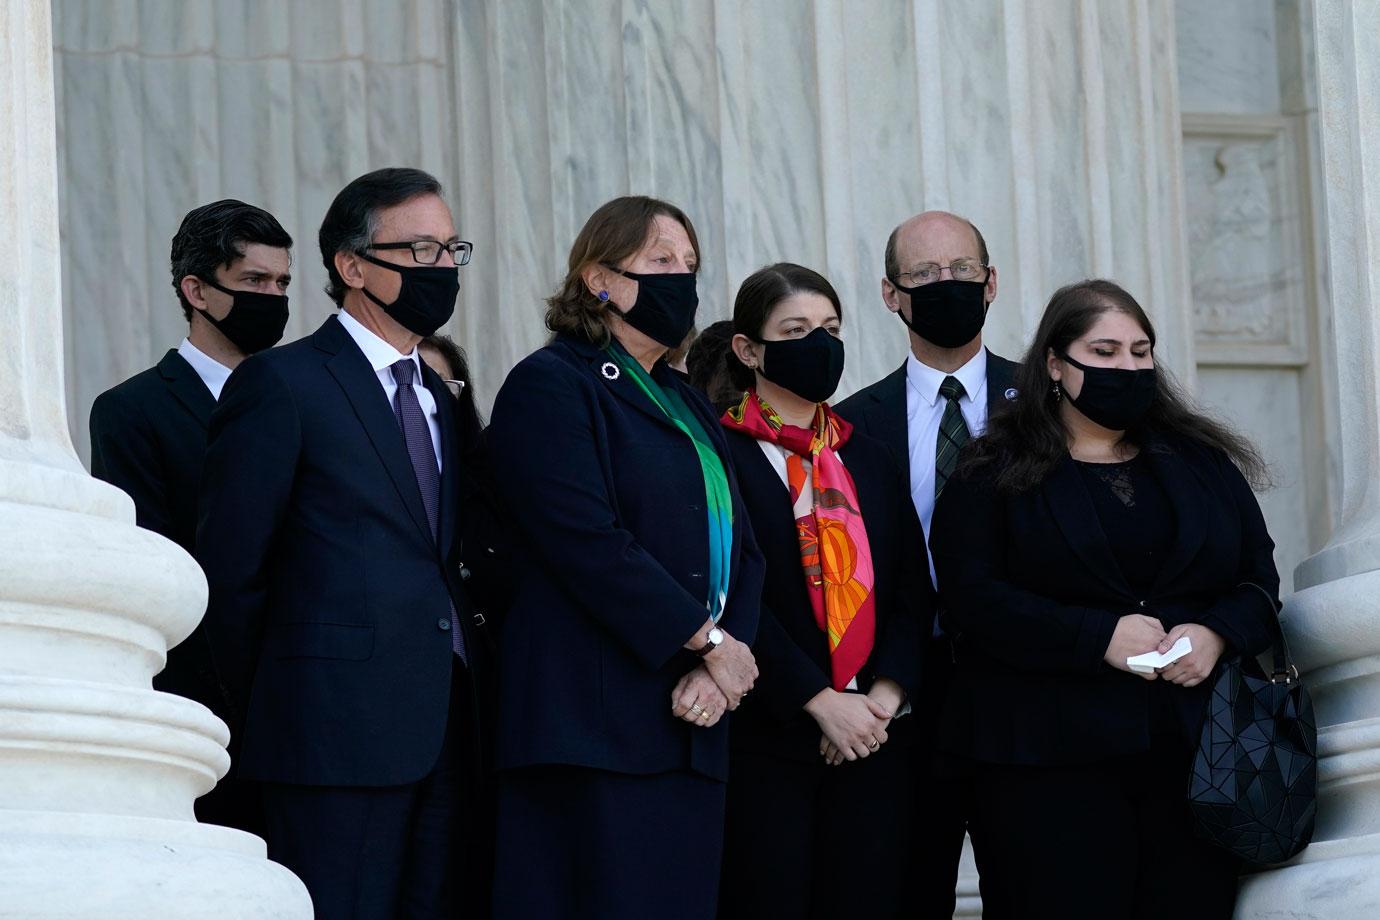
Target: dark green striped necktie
953, 434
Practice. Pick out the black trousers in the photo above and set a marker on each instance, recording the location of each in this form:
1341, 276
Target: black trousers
588, 844
1110, 841
413, 851
806, 840
943, 801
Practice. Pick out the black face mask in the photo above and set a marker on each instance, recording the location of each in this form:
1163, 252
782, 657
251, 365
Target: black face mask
426, 299
256, 321
948, 313
1113, 397
810, 367
665, 307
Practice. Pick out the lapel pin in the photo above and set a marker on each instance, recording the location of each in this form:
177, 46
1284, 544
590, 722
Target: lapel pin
610, 370
1011, 393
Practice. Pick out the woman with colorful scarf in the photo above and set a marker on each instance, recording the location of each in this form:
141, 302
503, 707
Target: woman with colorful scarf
819, 796
638, 589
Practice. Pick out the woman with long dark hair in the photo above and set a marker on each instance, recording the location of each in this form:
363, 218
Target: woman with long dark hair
820, 798
1101, 518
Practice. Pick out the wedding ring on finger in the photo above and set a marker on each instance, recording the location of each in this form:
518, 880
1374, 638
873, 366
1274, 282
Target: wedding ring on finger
697, 709
874, 745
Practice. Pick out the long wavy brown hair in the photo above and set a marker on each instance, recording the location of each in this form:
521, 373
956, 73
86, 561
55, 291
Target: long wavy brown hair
1025, 441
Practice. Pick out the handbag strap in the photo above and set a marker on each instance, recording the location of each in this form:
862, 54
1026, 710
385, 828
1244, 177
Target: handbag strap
1284, 669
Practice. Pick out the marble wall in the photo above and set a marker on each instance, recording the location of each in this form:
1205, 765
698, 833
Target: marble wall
788, 130
1259, 291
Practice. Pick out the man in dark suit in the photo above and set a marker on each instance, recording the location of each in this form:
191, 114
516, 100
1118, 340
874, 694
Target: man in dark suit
342, 634
230, 269
940, 282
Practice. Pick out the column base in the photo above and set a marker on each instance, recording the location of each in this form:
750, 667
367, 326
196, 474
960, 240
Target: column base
967, 901
126, 868
1332, 880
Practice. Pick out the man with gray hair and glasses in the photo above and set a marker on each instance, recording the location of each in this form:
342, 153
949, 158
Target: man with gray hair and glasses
940, 282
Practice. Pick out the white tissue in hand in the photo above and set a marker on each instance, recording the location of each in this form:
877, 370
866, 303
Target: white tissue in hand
1147, 663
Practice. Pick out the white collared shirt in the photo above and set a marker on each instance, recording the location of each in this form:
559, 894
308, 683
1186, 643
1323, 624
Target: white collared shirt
381, 357
924, 411
212, 372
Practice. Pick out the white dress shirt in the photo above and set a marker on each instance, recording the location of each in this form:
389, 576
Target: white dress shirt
924, 410
212, 372
381, 357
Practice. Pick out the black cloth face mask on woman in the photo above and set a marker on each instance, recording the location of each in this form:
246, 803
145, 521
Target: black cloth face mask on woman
664, 310
810, 366
1114, 397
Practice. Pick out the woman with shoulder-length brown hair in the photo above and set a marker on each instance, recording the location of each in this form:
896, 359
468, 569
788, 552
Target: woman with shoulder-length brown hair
637, 592
1101, 518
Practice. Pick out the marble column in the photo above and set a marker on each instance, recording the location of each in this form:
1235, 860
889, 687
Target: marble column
97, 771
1331, 619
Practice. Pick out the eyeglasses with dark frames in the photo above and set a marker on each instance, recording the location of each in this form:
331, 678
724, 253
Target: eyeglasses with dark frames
428, 252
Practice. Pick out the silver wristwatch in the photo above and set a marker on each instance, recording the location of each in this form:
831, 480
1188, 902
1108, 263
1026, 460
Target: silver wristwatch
715, 639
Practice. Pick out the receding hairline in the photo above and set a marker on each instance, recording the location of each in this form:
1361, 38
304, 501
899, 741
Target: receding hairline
892, 263
930, 216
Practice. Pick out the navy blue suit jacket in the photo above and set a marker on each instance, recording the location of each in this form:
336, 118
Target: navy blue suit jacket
1031, 591
608, 499
879, 409
329, 611
792, 652
148, 438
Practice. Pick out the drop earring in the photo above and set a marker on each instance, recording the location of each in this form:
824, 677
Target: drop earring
1058, 393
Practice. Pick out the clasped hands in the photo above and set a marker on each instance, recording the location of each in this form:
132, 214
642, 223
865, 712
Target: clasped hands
853, 725
1137, 634
718, 685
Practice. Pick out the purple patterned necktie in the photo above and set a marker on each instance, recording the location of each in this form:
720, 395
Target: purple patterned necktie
417, 436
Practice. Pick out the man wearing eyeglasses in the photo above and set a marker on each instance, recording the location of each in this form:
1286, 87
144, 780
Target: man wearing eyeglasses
342, 631
940, 283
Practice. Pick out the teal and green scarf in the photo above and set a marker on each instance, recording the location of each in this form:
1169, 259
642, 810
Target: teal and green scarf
718, 498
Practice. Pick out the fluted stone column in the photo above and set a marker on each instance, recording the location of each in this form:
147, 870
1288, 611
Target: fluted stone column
97, 771
1333, 620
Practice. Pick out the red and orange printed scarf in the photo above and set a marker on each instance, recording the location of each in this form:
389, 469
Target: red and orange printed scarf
833, 542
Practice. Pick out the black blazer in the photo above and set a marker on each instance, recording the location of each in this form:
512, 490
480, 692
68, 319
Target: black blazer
879, 409
148, 438
608, 499
330, 602
792, 653
1031, 590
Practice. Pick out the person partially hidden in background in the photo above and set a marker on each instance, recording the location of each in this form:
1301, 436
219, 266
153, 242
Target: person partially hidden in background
231, 267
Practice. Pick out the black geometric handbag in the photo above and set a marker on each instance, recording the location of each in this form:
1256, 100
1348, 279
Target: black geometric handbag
1255, 780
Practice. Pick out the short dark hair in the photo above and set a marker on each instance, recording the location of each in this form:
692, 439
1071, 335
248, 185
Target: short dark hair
892, 262
352, 218
613, 232
707, 363
215, 235
759, 294
459, 365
